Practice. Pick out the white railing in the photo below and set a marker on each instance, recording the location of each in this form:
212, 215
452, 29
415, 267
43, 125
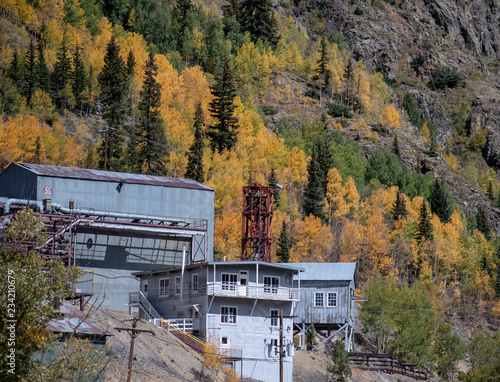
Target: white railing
138, 298
184, 324
266, 292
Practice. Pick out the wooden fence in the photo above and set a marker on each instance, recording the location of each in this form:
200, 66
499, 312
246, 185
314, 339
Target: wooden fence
387, 363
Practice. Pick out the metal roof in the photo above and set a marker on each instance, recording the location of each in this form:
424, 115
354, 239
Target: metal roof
326, 271
111, 176
295, 266
74, 320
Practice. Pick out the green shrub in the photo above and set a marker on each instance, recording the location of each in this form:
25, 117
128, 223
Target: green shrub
336, 110
445, 78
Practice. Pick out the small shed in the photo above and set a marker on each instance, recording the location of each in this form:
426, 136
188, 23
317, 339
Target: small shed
327, 299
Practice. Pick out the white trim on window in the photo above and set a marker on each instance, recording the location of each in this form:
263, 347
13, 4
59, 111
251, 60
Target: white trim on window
275, 315
164, 287
229, 315
271, 284
229, 281
319, 300
331, 301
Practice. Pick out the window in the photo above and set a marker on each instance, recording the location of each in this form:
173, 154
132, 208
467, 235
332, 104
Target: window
224, 341
164, 287
229, 281
331, 302
194, 282
228, 315
274, 318
271, 284
177, 284
318, 299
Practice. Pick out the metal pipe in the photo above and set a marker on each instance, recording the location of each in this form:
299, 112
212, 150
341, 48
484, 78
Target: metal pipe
112, 214
182, 272
26, 202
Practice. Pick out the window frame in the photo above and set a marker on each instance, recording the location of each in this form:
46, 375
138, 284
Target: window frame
165, 289
194, 282
274, 318
177, 284
316, 300
271, 288
229, 284
328, 299
226, 314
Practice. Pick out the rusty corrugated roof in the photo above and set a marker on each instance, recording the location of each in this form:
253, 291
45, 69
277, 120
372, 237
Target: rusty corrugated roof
74, 320
111, 176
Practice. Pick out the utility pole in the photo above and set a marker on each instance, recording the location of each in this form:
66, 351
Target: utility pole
281, 346
133, 332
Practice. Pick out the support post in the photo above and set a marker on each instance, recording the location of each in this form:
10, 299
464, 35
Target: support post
134, 333
281, 346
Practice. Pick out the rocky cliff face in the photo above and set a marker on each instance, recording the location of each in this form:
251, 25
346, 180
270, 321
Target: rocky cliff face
421, 36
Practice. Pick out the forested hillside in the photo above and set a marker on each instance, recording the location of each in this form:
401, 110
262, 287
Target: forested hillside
376, 122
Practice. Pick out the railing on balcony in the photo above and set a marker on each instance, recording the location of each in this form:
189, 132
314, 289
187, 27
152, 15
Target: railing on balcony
261, 291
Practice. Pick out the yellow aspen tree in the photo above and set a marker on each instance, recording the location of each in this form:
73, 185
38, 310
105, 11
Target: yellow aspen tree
390, 117
351, 196
312, 241
376, 239
425, 132
335, 205
350, 241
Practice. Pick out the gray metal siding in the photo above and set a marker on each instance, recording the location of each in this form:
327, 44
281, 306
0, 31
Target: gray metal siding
133, 198
18, 183
307, 312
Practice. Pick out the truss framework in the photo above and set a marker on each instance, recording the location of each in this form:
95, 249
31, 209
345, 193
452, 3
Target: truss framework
257, 222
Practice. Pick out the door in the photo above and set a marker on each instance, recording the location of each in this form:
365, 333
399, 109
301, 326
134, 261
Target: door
243, 283
144, 288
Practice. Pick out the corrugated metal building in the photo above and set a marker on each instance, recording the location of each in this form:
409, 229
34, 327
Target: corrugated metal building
131, 222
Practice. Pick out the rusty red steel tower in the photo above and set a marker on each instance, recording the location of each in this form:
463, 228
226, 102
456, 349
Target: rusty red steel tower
257, 223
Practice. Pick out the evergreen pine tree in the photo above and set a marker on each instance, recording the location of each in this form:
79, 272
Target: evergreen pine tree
489, 191
273, 183
257, 18
30, 72
182, 25
78, 77
224, 133
194, 168
322, 70
130, 65
150, 140
483, 225
395, 147
441, 202
112, 81
15, 71
340, 368
61, 75
313, 194
284, 244
414, 113
349, 77
317, 177
43, 74
424, 227
399, 208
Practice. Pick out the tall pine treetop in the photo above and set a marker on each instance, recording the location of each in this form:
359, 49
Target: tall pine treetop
224, 133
